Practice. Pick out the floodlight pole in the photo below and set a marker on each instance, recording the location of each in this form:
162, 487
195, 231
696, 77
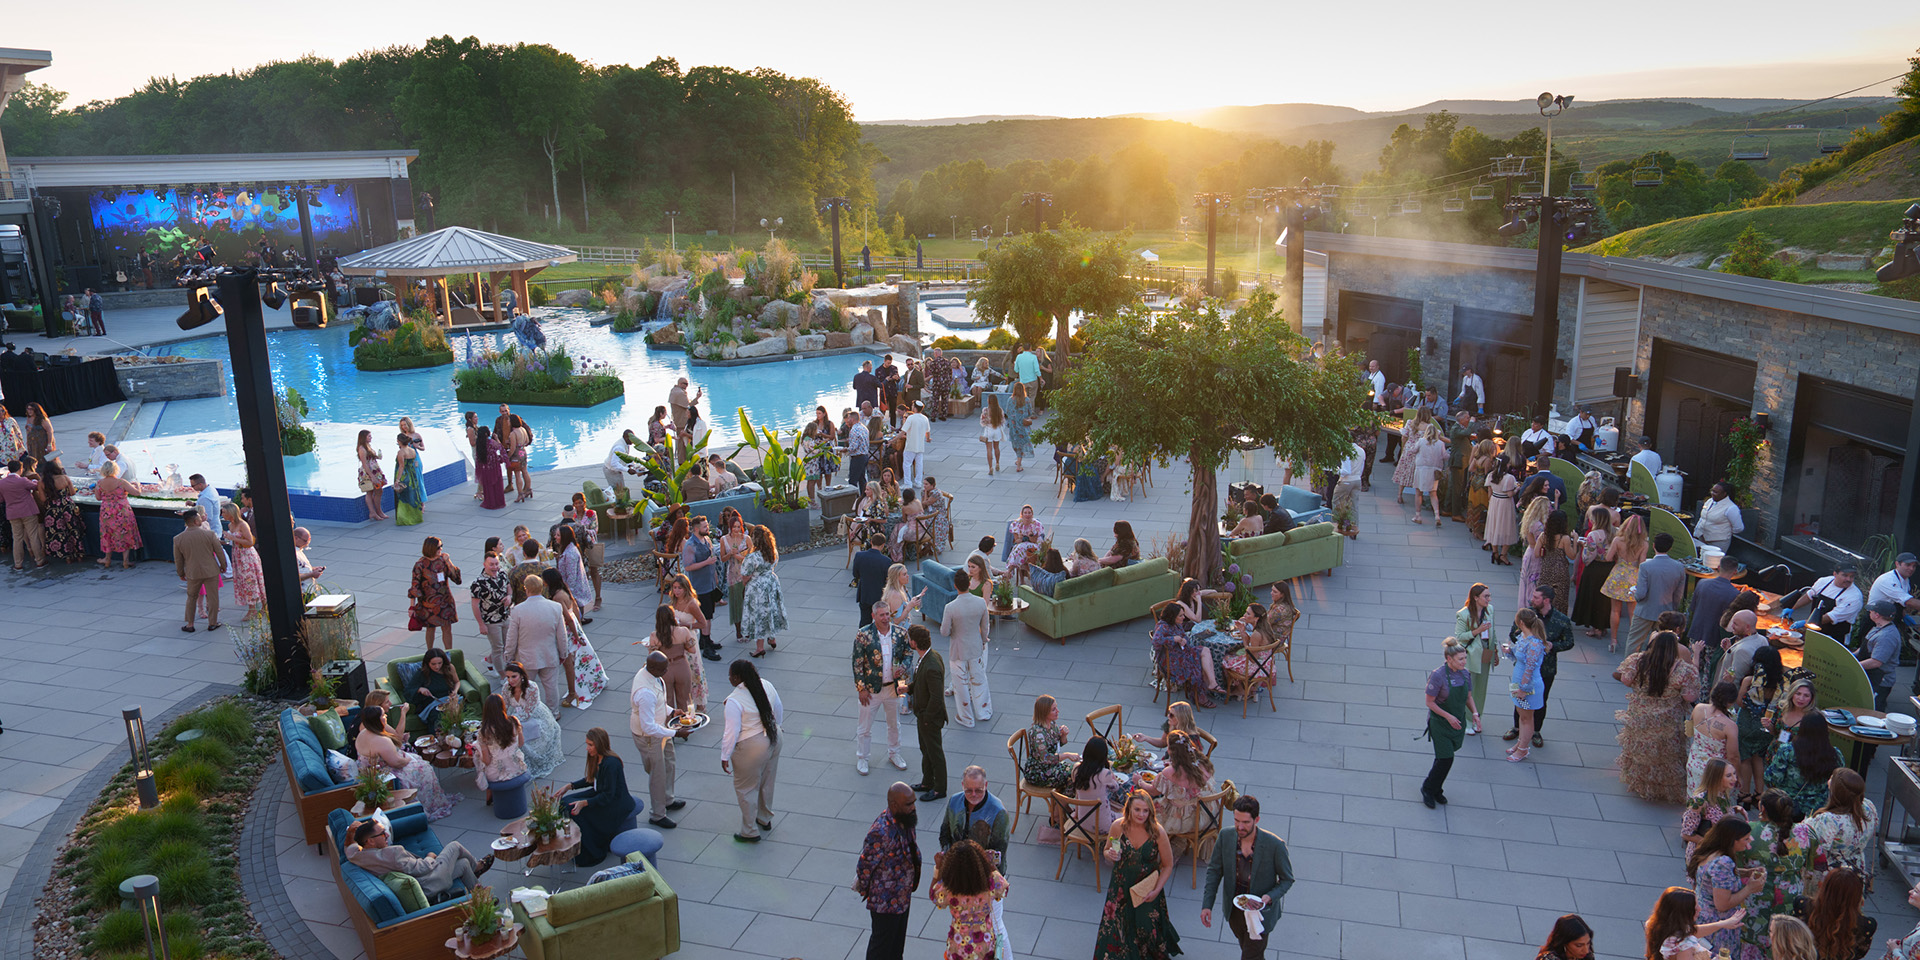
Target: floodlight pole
239, 295
834, 205
1212, 202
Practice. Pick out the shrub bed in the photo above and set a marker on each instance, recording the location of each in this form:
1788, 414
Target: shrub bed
189, 842
414, 344
542, 378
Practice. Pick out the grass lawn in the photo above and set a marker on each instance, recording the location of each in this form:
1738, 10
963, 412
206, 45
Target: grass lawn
1856, 227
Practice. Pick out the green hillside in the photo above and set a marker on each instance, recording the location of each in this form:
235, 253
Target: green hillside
1890, 174
1857, 227
911, 151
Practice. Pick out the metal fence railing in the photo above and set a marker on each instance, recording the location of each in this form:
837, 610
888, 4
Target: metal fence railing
946, 267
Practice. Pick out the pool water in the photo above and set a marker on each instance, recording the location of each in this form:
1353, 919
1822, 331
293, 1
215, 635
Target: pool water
319, 364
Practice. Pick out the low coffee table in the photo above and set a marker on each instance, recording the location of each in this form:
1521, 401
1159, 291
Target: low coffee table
561, 849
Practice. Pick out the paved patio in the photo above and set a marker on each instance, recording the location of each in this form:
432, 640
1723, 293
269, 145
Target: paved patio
1336, 765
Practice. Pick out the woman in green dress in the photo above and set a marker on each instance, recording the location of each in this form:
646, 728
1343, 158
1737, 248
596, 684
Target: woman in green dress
1449, 705
409, 494
1473, 631
1138, 848
1020, 426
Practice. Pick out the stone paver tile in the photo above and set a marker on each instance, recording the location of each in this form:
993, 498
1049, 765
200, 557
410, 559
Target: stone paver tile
1373, 941
1440, 914
713, 925
823, 939
1390, 873
317, 900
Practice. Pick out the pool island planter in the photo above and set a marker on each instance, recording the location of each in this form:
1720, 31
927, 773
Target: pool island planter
367, 362
578, 392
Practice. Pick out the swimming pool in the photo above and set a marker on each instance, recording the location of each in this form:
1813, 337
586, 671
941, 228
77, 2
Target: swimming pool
319, 364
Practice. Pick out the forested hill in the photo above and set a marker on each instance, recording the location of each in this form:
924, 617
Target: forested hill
913, 150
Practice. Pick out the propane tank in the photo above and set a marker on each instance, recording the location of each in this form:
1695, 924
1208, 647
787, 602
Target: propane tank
1668, 485
1606, 439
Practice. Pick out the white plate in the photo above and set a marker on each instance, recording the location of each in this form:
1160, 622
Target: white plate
1247, 901
1871, 721
504, 843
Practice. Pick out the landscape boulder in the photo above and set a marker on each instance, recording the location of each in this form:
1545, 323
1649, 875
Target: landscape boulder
771, 346
575, 298
668, 334
780, 313
905, 345
809, 342
837, 341
1843, 261
861, 335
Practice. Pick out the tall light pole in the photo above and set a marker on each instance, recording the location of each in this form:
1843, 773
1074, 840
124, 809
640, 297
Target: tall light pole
1211, 202
833, 206
1550, 107
1562, 220
1038, 201
1297, 207
953, 227
672, 236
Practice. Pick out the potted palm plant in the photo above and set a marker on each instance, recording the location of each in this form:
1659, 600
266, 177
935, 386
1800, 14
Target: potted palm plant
545, 820
484, 930
784, 475
371, 791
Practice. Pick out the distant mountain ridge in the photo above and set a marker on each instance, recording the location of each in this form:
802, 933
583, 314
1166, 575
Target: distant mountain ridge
957, 121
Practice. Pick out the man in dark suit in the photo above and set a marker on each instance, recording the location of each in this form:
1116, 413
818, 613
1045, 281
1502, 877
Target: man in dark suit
1662, 580
929, 706
870, 575
1271, 877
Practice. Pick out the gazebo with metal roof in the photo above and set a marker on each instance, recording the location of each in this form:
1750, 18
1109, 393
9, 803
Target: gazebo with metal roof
459, 251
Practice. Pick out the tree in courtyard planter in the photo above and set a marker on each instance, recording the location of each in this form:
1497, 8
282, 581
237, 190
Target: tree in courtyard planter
1195, 380
1039, 278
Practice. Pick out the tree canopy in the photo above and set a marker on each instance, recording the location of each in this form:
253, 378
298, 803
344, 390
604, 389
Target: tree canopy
1199, 382
1036, 278
504, 132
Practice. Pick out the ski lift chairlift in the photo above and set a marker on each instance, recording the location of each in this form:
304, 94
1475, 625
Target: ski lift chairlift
1453, 205
1481, 191
1409, 206
1838, 144
1531, 188
1751, 147
1582, 182
1648, 176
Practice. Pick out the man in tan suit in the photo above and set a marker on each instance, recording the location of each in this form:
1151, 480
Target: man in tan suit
374, 851
198, 559
537, 639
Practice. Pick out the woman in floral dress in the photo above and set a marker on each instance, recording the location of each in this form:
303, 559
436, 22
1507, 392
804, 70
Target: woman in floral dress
686, 610
119, 530
1715, 735
249, 578
1783, 846
540, 731
431, 590
1024, 536
732, 548
766, 614
409, 491
66, 532
587, 677
1182, 661
13, 443
1403, 468
1803, 767
1503, 523
1046, 766
1533, 522
1712, 870
1020, 426
968, 885
1844, 829
1479, 463
1138, 848
1711, 803
373, 480
379, 746
1661, 685
1626, 553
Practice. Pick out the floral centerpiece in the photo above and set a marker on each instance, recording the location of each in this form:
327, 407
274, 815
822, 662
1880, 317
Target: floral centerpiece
1126, 754
447, 722
296, 438
1003, 593
545, 820
320, 692
371, 788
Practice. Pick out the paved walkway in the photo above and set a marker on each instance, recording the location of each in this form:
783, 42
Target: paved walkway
1335, 764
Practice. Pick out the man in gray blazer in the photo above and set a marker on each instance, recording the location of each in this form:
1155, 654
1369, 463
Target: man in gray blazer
374, 851
1271, 876
537, 639
1662, 582
966, 626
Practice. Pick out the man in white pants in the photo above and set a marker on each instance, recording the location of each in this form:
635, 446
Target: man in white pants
647, 719
919, 433
881, 658
618, 472
966, 625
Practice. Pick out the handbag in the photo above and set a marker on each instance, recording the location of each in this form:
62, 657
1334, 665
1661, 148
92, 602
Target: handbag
413, 624
1140, 892
367, 485
1489, 655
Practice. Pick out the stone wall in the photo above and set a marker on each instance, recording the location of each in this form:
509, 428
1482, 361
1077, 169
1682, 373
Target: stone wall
1440, 288
173, 381
1783, 346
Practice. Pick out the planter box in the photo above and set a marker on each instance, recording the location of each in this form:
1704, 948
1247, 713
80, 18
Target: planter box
372, 364
960, 408
579, 392
792, 528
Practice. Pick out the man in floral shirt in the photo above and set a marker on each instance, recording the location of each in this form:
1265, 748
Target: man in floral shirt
939, 385
889, 872
881, 657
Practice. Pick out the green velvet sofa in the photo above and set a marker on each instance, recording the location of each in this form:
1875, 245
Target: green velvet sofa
1104, 597
635, 917
473, 686
1314, 548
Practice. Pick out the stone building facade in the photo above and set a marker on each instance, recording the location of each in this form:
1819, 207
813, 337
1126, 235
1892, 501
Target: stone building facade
1838, 374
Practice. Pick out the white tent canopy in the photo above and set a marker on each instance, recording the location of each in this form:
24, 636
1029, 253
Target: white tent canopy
1148, 255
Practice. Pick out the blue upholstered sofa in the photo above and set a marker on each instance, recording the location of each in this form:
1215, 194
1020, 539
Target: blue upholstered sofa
1304, 506
387, 927
305, 761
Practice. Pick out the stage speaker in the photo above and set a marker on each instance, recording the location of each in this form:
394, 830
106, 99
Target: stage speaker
1626, 383
401, 189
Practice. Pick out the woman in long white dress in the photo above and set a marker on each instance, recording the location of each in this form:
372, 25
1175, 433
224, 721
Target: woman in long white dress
379, 747
587, 677
540, 731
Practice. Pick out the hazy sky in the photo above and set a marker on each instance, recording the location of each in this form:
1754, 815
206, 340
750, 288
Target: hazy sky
920, 60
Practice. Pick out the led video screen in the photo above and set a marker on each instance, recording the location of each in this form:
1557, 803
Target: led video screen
169, 220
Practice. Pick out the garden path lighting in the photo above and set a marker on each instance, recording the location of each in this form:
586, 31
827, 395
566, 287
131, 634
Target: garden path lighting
146, 894
142, 763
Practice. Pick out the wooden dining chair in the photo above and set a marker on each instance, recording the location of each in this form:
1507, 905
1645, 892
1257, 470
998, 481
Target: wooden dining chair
1106, 723
1079, 827
665, 566
1259, 673
1162, 679
1209, 812
1024, 792
1206, 738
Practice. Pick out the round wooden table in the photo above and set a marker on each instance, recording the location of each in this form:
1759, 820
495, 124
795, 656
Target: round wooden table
396, 801
508, 939
559, 849
1008, 613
